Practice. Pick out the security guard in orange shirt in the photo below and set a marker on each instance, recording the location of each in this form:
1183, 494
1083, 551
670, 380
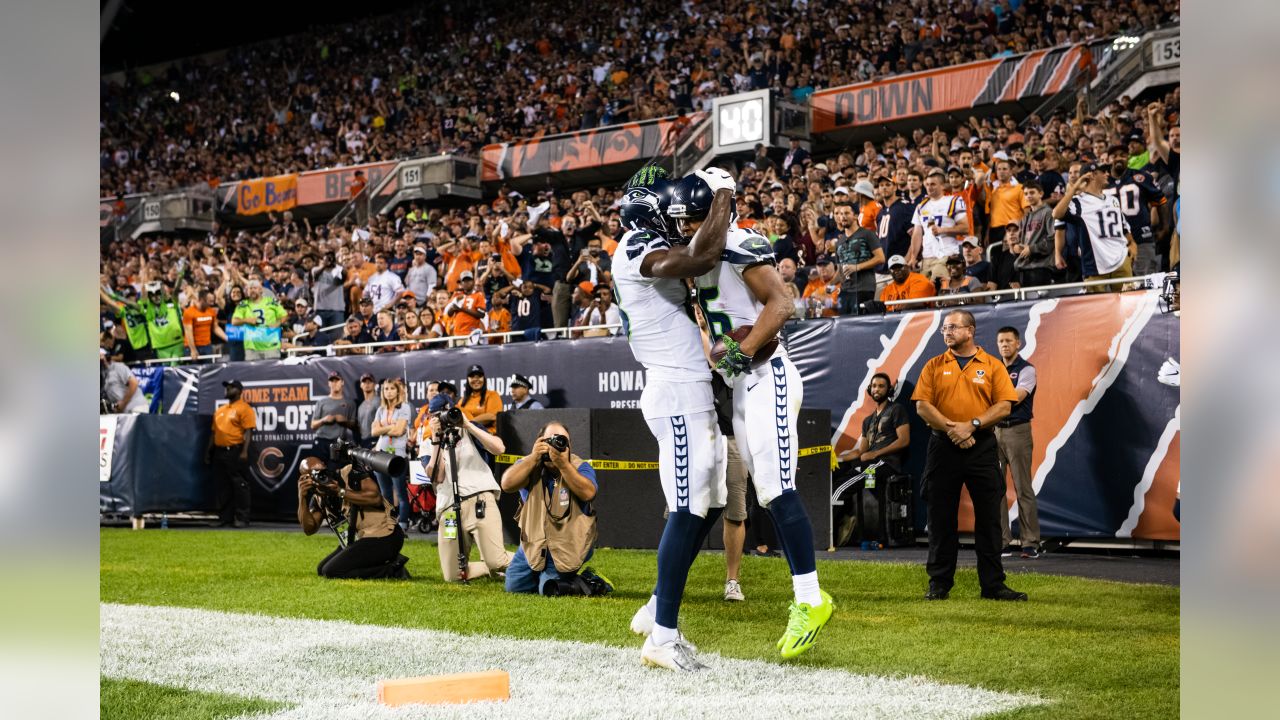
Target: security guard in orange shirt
962, 394
228, 452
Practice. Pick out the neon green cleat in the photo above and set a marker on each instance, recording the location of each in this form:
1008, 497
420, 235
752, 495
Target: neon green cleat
805, 624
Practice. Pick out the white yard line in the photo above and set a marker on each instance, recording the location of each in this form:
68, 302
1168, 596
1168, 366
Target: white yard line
329, 669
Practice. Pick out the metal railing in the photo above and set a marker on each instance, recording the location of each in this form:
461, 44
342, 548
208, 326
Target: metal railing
364, 200
183, 360
458, 340
1151, 281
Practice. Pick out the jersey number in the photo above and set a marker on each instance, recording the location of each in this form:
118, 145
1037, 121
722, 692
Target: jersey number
1109, 223
1128, 196
524, 308
719, 322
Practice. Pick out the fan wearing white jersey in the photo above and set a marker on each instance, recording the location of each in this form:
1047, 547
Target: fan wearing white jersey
745, 289
649, 272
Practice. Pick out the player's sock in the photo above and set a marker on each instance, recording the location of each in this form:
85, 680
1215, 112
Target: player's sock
806, 589
674, 552
794, 532
708, 522
663, 634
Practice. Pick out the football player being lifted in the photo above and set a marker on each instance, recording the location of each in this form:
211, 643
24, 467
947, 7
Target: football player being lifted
649, 272
745, 306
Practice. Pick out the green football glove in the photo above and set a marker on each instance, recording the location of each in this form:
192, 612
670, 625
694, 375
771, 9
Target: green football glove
735, 362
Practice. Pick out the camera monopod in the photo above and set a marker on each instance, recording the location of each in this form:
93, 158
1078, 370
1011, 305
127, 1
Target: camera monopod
449, 438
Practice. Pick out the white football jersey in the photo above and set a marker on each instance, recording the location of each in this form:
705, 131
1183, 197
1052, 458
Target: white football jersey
726, 301
662, 336
943, 212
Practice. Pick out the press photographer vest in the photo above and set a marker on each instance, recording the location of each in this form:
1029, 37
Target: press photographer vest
544, 525
368, 522
474, 476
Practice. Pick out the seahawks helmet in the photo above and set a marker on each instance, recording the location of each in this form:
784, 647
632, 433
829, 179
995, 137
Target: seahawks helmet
644, 207
690, 199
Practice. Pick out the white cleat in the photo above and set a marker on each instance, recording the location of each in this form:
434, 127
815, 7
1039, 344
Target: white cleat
677, 655
733, 591
642, 621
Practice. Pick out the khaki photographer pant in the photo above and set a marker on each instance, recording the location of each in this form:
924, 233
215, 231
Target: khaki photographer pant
485, 533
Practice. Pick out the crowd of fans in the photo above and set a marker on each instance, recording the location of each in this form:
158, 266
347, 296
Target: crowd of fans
453, 79
845, 229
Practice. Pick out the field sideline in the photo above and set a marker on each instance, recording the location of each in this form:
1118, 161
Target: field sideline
1080, 649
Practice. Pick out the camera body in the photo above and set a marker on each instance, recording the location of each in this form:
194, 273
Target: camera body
449, 419
559, 442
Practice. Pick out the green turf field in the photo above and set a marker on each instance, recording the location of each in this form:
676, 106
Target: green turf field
1092, 649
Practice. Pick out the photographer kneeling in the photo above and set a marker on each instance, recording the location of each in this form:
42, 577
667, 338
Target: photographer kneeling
473, 516
557, 522
369, 544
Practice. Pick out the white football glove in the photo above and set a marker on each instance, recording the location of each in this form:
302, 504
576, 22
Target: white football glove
717, 179
1170, 373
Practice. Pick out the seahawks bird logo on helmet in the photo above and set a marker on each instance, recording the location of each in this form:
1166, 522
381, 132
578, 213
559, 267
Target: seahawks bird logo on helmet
644, 207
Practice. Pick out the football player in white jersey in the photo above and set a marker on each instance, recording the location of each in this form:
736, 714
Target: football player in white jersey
649, 272
745, 289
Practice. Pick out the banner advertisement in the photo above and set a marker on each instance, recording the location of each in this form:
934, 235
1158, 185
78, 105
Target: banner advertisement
316, 187
1105, 461
271, 194
540, 155
334, 185
958, 88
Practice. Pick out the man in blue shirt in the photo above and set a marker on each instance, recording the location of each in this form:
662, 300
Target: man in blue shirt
557, 523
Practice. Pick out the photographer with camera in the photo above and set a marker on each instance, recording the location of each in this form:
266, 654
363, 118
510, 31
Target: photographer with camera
369, 541
557, 523
466, 493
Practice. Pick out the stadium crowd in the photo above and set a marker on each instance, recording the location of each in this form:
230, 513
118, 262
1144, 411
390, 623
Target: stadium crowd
450, 80
842, 225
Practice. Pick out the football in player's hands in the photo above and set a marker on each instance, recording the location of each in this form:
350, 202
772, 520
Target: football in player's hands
717, 179
718, 351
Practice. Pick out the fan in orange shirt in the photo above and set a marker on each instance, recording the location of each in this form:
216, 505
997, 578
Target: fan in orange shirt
499, 318
461, 257
906, 285
865, 192
823, 291
467, 307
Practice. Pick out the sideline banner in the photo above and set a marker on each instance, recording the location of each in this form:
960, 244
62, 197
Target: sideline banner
157, 465
540, 155
271, 194
953, 89
1105, 459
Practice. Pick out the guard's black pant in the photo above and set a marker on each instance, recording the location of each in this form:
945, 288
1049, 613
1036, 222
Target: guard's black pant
946, 469
365, 558
231, 481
